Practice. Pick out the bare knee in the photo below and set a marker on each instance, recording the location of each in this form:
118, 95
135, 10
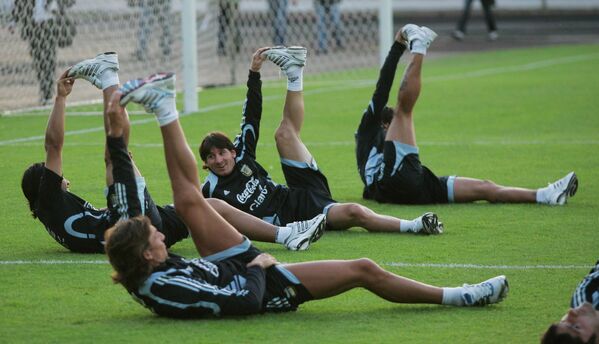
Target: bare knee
285, 133
358, 214
367, 271
217, 204
489, 190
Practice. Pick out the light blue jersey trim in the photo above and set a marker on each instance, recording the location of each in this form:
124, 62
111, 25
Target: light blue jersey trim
450, 193
243, 135
230, 252
288, 274
273, 220
373, 165
212, 180
401, 150
141, 195
327, 208
300, 164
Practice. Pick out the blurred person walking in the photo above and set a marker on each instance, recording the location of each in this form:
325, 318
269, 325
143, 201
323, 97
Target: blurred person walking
487, 6
153, 14
328, 23
278, 14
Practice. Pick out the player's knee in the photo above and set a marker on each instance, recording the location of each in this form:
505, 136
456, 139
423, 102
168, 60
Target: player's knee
284, 133
489, 189
357, 213
368, 270
217, 204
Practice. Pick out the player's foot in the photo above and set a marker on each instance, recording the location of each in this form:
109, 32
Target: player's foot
493, 36
419, 38
558, 192
153, 92
428, 36
493, 290
430, 224
92, 69
458, 35
303, 233
287, 57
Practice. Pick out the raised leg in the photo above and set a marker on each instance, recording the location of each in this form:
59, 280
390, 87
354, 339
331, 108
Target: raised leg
287, 135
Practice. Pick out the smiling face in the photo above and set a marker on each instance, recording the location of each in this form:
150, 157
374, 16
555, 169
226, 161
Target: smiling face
221, 161
156, 252
581, 322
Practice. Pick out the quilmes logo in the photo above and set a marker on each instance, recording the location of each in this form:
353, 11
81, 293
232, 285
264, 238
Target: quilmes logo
250, 188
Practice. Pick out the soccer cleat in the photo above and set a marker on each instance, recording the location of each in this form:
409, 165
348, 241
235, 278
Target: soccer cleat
493, 290
286, 57
92, 69
559, 191
428, 36
411, 32
151, 92
303, 233
430, 224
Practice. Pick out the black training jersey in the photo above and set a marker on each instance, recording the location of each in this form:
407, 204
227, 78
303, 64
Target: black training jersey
370, 136
588, 289
70, 220
193, 288
249, 187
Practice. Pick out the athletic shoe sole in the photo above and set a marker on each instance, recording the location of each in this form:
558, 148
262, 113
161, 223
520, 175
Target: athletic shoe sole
151, 81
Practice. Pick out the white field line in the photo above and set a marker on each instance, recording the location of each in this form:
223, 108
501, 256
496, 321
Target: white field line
358, 84
392, 264
352, 143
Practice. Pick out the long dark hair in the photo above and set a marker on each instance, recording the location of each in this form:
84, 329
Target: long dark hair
30, 184
552, 337
125, 245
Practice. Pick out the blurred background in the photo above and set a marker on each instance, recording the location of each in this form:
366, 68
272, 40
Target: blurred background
41, 38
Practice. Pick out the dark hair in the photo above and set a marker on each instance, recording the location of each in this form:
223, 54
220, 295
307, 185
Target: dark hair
125, 245
552, 337
30, 184
214, 139
386, 115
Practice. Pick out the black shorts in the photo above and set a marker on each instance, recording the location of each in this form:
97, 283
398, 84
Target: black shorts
284, 291
309, 193
406, 181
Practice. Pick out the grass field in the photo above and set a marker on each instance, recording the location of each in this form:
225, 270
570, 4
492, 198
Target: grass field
520, 117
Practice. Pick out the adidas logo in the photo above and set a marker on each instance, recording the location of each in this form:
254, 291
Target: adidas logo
226, 192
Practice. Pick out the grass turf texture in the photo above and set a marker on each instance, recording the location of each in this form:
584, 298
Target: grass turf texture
522, 117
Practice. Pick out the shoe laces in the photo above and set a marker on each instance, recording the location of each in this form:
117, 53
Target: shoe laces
481, 293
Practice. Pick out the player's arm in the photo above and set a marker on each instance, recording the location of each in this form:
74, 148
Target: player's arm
55, 129
386, 76
247, 140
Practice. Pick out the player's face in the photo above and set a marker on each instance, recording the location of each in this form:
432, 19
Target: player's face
221, 161
156, 252
581, 322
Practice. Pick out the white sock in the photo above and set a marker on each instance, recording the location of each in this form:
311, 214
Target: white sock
452, 296
282, 234
418, 47
295, 78
166, 112
541, 196
410, 226
109, 78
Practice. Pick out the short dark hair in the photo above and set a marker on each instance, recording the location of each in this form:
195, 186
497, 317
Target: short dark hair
125, 245
214, 139
30, 184
552, 337
386, 115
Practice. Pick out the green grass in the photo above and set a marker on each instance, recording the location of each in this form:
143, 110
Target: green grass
521, 122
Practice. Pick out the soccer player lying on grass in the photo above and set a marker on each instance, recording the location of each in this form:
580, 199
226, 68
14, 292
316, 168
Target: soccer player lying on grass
235, 278
236, 177
387, 155
78, 226
581, 323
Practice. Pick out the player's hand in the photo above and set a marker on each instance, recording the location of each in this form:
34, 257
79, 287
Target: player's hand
258, 59
399, 38
64, 85
264, 260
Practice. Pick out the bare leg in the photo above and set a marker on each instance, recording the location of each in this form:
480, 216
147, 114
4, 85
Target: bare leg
347, 215
470, 190
246, 224
401, 127
329, 278
287, 136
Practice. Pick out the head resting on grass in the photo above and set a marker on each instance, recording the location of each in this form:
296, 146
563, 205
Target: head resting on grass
30, 184
579, 326
134, 247
386, 116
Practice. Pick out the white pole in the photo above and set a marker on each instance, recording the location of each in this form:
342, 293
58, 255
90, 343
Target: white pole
190, 64
385, 28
